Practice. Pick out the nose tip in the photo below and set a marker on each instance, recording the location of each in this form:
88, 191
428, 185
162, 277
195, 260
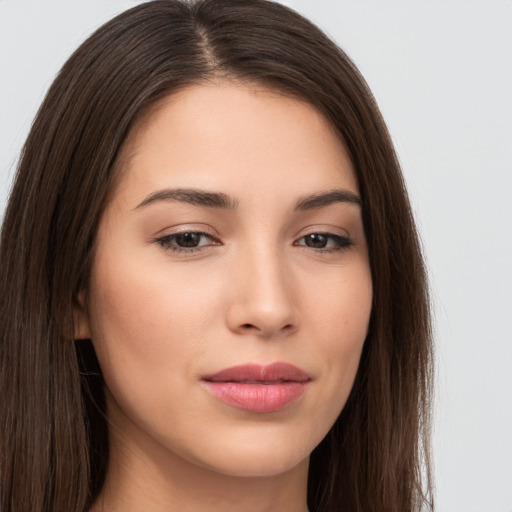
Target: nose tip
264, 303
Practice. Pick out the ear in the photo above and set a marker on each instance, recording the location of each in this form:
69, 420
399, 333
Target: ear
81, 327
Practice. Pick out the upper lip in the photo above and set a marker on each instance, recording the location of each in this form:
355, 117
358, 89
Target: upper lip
256, 373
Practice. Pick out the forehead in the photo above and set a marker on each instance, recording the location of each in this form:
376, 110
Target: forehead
241, 139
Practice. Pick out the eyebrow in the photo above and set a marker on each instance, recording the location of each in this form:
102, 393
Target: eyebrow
192, 196
223, 201
314, 201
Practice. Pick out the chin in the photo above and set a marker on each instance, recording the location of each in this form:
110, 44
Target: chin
264, 464
256, 454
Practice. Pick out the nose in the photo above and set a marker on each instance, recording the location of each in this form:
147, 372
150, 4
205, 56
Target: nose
264, 297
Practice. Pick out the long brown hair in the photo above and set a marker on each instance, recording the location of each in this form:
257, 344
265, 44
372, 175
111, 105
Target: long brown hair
53, 433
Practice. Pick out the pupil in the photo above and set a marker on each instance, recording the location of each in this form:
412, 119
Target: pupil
316, 240
188, 239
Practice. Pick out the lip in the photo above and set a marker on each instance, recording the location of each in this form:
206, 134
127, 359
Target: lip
258, 388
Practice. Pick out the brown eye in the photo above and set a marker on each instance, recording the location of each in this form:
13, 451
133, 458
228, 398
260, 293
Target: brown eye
188, 239
316, 240
326, 242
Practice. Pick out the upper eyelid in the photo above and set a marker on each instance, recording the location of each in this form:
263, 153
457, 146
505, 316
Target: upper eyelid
185, 232
324, 229
180, 230
325, 233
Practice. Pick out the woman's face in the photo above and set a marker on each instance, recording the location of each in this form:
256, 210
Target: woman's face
230, 291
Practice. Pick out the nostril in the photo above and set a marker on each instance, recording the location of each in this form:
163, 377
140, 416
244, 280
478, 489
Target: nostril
249, 327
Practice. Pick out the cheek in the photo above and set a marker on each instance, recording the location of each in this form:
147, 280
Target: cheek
340, 317
151, 316
148, 329
341, 306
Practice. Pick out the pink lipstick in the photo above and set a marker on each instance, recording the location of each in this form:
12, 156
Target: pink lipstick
257, 388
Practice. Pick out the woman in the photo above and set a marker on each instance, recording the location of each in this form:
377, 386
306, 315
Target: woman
209, 204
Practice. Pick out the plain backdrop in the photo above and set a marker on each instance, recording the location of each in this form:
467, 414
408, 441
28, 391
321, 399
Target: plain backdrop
442, 74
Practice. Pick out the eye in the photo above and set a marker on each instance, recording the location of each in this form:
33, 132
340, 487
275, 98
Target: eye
187, 241
325, 242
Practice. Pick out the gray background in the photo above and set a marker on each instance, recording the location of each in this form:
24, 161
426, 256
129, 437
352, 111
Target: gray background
442, 75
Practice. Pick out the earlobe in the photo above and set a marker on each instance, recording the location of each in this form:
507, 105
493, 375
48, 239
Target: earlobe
81, 328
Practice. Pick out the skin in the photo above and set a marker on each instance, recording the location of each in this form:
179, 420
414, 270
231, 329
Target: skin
253, 291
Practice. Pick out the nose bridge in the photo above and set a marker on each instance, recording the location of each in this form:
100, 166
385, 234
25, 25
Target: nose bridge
264, 292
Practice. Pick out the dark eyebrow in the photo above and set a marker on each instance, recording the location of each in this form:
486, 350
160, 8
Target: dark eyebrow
314, 201
192, 196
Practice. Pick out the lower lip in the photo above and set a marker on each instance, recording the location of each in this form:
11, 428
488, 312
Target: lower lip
257, 397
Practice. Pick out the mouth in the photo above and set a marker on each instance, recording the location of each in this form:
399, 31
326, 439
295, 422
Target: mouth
257, 388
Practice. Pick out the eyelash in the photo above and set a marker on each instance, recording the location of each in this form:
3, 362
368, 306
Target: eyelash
342, 242
168, 242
